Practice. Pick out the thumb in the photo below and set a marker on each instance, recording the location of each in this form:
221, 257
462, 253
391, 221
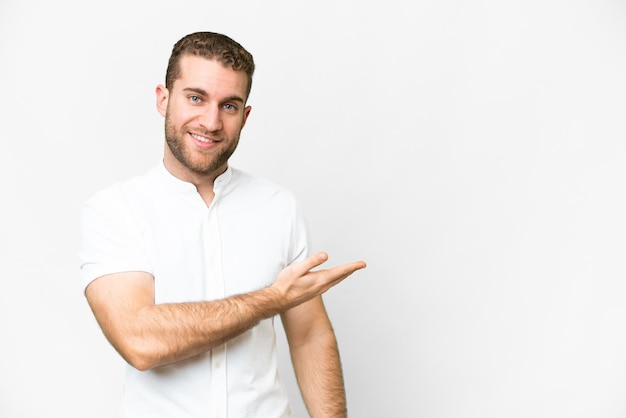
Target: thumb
310, 262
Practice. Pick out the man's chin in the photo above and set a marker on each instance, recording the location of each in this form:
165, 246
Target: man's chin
206, 167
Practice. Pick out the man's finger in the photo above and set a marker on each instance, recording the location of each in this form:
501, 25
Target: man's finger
341, 272
310, 262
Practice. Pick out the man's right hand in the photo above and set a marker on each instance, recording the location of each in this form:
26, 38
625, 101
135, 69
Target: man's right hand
297, 283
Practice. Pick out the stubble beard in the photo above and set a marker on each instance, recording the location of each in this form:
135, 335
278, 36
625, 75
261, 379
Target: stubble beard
212, 160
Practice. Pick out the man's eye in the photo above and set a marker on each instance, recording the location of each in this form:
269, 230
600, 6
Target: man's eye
195, 99
229, 106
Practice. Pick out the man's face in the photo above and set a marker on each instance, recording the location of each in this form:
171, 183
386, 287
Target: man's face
204, 114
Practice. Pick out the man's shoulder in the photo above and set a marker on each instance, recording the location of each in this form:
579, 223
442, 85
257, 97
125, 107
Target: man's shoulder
121, 190
257, 185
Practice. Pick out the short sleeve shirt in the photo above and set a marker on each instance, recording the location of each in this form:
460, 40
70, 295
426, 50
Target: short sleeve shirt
159, 224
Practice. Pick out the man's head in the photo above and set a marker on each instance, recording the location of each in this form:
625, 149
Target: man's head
214, 46
204, 104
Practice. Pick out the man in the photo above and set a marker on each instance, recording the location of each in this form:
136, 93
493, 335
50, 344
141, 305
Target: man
186, 266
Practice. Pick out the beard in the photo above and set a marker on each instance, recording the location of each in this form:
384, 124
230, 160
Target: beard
204, 162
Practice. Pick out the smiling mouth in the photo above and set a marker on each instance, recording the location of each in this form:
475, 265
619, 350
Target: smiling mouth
202, 138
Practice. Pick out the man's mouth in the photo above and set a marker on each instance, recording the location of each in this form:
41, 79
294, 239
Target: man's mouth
202, 138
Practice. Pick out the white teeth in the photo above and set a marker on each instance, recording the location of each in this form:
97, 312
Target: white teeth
201, 138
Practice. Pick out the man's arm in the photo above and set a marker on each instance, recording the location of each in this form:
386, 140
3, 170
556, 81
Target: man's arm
315, 357
148, 335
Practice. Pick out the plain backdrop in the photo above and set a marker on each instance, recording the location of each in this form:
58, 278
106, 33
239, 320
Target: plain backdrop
473, 153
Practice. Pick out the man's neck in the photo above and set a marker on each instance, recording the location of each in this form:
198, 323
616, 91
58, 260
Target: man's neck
203, 181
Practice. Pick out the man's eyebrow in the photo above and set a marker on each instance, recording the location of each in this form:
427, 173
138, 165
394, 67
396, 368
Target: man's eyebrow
234, 99
196, 90
202, 92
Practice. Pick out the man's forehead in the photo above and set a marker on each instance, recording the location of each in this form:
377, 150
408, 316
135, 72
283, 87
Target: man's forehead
198, 68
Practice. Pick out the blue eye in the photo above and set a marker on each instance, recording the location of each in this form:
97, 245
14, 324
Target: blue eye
195, 99
229, 106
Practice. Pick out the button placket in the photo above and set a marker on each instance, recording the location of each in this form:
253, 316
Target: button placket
214, 290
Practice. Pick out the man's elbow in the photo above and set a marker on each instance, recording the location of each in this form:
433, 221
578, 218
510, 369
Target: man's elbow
140, 355
141, 363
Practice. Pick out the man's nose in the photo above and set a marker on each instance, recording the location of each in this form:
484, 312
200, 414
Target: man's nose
211, 118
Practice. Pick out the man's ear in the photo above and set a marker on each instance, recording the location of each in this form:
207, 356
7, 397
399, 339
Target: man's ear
162, 96
246, 113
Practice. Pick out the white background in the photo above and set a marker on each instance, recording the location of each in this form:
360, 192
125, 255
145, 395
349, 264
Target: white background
471, 152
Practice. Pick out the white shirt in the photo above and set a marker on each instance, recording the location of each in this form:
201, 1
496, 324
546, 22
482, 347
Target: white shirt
159, 224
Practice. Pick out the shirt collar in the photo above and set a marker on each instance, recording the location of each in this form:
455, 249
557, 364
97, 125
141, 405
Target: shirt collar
181, 186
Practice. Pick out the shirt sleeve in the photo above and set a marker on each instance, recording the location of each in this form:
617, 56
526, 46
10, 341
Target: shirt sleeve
111, 238
301, 237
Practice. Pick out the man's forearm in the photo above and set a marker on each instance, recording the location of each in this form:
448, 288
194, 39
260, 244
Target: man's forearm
320, 377
166, 333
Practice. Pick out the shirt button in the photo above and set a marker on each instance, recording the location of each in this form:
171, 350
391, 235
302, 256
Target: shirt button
218, 365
